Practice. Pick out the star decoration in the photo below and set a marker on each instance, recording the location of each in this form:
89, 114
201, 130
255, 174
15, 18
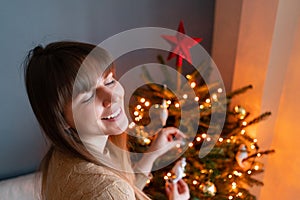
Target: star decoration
181, 44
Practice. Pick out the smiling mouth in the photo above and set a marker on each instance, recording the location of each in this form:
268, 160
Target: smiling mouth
112, 116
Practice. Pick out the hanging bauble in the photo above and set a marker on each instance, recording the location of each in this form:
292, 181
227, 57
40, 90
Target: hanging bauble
240, 112
208, 188
241, 155
178, 170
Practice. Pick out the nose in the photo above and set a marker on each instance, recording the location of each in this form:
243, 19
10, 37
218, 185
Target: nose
106, 96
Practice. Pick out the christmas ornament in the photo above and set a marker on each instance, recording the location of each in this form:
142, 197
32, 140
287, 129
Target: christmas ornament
181, 45
240, 112
164, 110
208, 188
178, 170
241, 155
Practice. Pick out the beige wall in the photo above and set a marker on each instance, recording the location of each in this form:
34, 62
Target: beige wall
267, 56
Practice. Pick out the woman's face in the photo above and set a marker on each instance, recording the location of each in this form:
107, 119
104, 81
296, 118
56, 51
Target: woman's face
100, 110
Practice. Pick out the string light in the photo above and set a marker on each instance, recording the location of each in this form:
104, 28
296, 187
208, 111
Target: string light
196, 98
252, 146
201, 106
249, 172
136, 113
243, 131
148, 181
239, 194
193, 84
256, 167
185, 96
169, 102
166, 177
188, 76
220, 90
229, 176
204, 135
169, 174
233, 185
244, 123
228, 140
147, 103
195, 182
178, 145
131, 125
215, 97
258, 155
198, 139
208, 139
220, 139
255, 140
137, 119
142, 100
230, 197
207, 100
156, 106
191, 144
138, 107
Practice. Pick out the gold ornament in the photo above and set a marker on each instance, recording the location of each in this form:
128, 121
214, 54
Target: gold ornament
240, 112
208, 188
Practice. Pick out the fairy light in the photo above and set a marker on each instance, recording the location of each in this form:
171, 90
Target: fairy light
169, 174
169, 102
233, 185
256, 167
220, 90
185, 96
255, 140
177, 105
198, 139
138, 107
142, 100
243, 131
249, 172
204, 135
201, 106
215, 97
208, 139
244, 123
207, 100
137, 119
191, 144
166, 177
196, 99
230, 197
228, 140
229, 176
188, 76
193, 84
148, 181
147, 103
252, 146
221, 139
178, 145
140, 117
195, 182
240, 194
136, 113
131, 125
258, 155
156, 106
237, 173
147, 141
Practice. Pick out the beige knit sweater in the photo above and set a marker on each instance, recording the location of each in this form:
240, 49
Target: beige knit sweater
70, 177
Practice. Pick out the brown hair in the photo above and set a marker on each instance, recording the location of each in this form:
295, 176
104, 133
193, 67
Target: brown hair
50, 75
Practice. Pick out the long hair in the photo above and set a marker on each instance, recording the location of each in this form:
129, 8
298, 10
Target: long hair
50, 75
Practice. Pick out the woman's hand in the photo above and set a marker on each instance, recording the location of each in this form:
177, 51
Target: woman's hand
166, 139
177, 191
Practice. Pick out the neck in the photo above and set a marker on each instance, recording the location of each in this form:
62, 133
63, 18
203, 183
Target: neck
95, 144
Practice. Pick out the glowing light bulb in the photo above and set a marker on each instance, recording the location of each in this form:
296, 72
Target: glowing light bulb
195, 182
256, 167
196, 98
147, 103
255, 140
178, 145
169, 102
221, 139
191, 144
169, 174
208, 139
220, 90
185, 96
198, 139
244, 123
243, 131
136, 113
188, 76
207, 100
138, 107
229, 176
249, 172
193, 84
204, 135
258, 155
177, 105
142, 100
201, 106
166, 177
230, 197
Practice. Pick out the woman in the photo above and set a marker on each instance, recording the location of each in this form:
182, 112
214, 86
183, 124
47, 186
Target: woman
80, 108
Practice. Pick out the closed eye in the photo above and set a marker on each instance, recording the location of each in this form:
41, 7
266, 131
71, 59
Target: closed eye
89, 98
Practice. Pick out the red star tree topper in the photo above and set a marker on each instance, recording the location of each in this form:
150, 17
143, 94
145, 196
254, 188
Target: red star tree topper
181, 45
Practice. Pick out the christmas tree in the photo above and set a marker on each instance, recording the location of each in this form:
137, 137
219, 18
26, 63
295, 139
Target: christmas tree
231, 163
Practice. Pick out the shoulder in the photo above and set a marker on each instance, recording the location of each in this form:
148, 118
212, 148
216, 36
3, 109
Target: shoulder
78, 179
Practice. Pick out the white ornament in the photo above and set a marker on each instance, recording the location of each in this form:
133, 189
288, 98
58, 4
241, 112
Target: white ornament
164, 112
178, 170
241, 155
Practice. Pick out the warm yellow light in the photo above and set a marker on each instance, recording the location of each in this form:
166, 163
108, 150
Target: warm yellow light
177, 105
233, 185
249, 172
244, 123
230, 197
169, 102
148, 181
156, 106
239, 194
166, 177
137, 119
178, 145
191, 144
229, 176
228, 140
220, 139
196, 98
258, 155
136, 113
201, 106
169, 174
204, 135
207, 100
243, 131
138, 107
193, 84
147, 140
140, 116
185, 96
215, 97
252, 146
188, 76
208, 139
256, 167
131, 125
147, 103
142, 100
255, 140
220, 90
198, 139
195, 182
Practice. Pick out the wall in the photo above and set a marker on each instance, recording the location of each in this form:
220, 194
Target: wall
24, 24
267, 56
